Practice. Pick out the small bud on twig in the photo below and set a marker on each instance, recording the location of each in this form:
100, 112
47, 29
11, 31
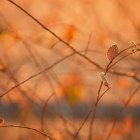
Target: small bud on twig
104, 79
135, 49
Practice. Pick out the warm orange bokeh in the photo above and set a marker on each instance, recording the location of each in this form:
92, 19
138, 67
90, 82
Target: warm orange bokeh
51, 53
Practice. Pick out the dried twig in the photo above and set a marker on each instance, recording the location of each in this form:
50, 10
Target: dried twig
119, 115
28, 128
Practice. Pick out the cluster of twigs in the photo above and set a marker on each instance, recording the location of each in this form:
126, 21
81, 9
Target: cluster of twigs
133, 48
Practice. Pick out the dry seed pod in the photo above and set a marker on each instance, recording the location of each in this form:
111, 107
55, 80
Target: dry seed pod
135, 46
104, 79
106, 84
135, 49
112, 52
133, 43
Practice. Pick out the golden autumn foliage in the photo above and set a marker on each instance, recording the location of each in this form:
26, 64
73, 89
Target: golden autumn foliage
70, 33
72, 88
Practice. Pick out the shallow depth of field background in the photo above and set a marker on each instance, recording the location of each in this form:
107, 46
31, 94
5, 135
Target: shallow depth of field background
26, 49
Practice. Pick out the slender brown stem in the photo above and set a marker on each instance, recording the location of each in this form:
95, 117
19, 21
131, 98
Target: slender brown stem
56, 36
94, 112
43, 111
92, 109
108, 67
75, 52
28, 128
122, 59
118, 116
37, 74
88, 43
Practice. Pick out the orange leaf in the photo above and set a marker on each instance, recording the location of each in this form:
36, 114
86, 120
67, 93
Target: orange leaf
72, 89
128, 125
70, 33
112, 52
123, 83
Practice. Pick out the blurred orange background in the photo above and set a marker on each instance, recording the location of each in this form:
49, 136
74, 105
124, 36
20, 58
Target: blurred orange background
71, 86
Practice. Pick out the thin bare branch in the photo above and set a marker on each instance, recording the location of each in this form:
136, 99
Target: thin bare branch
119, 115
88, 43
56, 36
37, 74
43, 111
28, 128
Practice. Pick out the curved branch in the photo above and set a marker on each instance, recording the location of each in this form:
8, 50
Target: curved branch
37, 74
29, 128
118, 116
56, 36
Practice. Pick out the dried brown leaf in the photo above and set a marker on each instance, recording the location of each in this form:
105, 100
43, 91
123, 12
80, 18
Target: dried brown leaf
112, 52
